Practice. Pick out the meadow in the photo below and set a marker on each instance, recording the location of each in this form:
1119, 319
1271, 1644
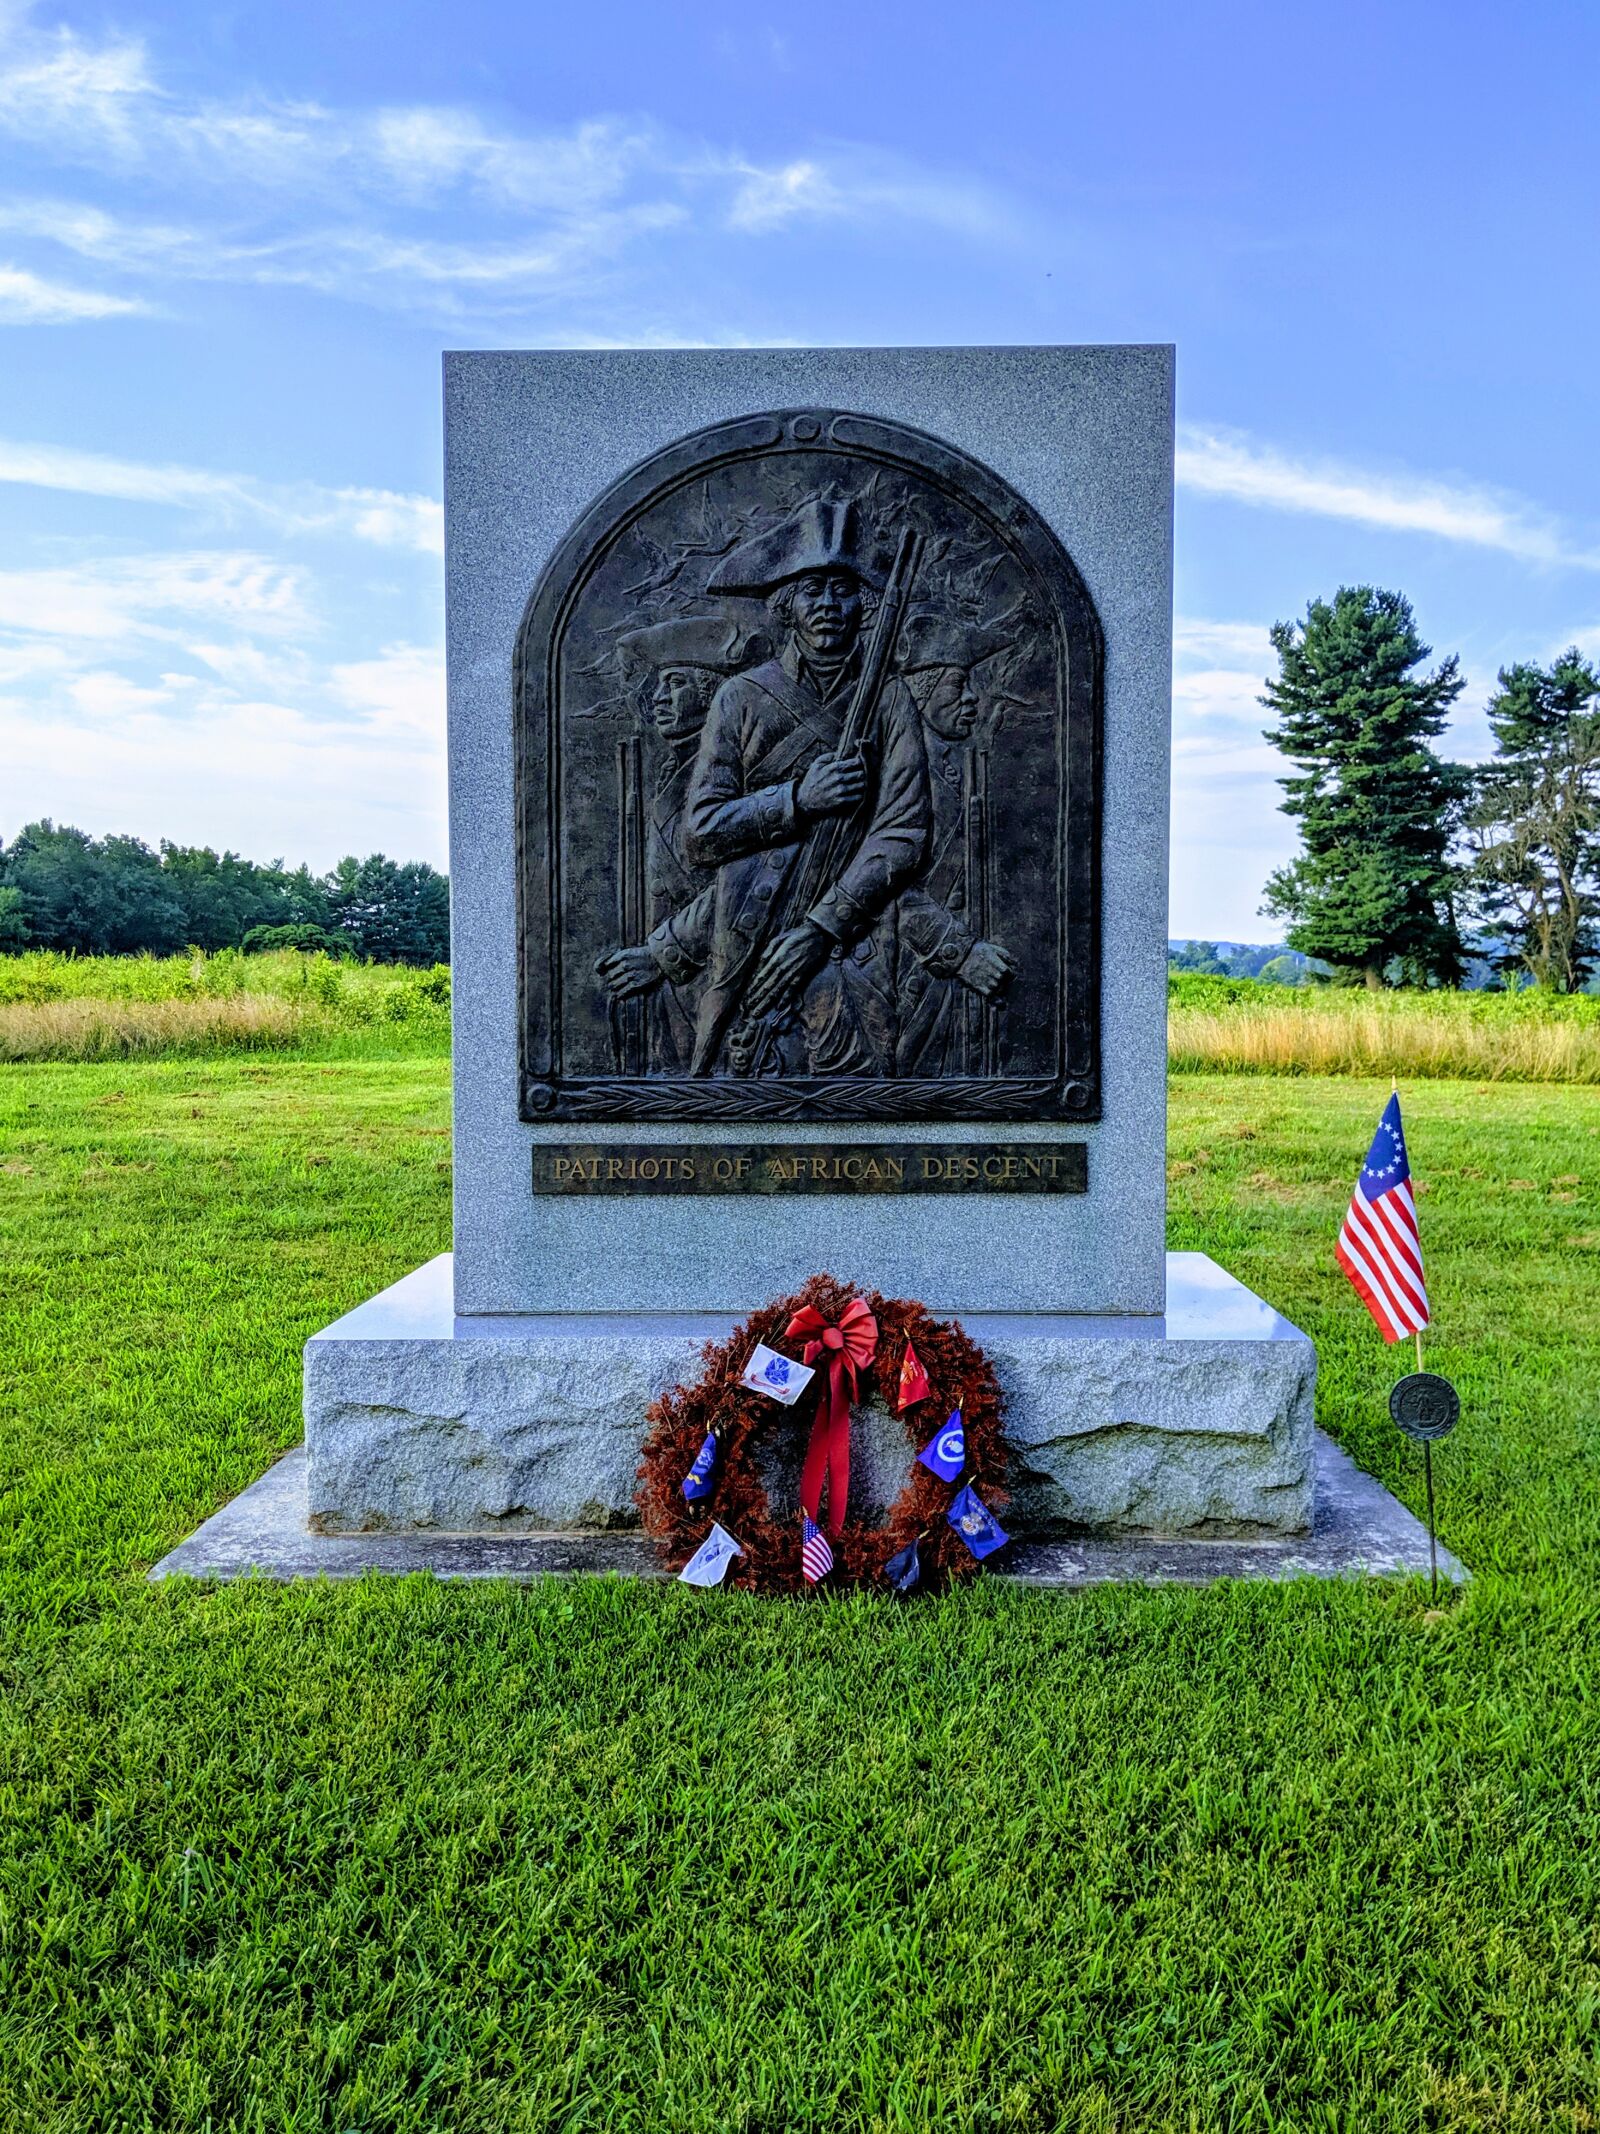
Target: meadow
397, 1857
128, 1007
55, 1007
1232, 1025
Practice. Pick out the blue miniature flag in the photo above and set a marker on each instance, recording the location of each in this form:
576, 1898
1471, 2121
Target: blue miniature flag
976, 1524
946, 1454
708, 1566
697, 1482
904, 1572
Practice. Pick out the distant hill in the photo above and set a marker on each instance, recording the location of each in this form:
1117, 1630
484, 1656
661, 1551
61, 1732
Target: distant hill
1243, 959
1286, 966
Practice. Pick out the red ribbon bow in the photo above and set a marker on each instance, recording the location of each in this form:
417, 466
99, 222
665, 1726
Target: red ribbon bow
847, 1347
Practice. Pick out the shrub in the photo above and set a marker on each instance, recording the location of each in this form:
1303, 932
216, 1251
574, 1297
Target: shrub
310, 940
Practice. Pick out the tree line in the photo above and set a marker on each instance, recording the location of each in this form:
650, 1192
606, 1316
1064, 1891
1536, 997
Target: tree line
114, 896
1411, 865
1273, 964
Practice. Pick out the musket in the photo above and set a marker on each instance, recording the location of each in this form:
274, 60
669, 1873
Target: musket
821, 854
981, 1017
627, 1017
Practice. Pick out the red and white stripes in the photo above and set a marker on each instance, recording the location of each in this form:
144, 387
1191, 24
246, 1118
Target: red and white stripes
1380, 1249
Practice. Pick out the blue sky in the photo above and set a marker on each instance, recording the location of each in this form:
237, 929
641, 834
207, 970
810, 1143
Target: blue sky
235, 238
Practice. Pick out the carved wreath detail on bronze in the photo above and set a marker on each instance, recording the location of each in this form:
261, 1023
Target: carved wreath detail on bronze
804, 795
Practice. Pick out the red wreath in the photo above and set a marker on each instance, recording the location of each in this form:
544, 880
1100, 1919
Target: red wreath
959, 1376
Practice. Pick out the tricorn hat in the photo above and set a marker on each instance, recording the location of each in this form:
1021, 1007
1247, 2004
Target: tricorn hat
819, 537
713, 641
931, 640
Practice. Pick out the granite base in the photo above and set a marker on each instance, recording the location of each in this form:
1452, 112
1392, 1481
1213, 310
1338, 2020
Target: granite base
1199, 1422
1358, 1530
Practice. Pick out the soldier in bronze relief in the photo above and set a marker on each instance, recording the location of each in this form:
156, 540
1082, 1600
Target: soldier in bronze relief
683, 661
942, 1031
802, 702
800, 978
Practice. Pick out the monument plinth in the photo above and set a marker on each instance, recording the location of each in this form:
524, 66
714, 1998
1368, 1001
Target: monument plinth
809, 730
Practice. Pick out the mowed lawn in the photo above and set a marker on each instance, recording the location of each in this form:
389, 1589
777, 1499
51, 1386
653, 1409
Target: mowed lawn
592, 1856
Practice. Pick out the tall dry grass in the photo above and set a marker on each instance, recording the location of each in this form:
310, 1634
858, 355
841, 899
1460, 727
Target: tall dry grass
1414, 1036
55, 1007
128, 1029
102, 1008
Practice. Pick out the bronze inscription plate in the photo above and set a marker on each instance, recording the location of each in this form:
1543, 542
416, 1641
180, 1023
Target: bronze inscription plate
807, 725
811, 1167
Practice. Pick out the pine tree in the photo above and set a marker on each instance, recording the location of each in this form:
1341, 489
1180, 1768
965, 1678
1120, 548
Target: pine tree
1377, 808
1535, 820
391, 913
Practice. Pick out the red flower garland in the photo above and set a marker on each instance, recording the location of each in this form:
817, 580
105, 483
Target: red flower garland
959, 1376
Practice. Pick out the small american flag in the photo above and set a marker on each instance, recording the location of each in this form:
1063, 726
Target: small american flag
1380, 1247
816, 1558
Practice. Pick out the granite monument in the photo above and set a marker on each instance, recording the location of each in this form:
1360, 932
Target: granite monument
809, 722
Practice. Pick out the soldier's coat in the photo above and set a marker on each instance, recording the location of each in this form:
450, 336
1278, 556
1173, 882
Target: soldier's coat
764, 730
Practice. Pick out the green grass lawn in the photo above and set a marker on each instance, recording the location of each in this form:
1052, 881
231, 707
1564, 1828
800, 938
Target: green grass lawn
590, 1856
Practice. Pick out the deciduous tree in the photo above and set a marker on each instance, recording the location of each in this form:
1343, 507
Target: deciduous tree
1535, 821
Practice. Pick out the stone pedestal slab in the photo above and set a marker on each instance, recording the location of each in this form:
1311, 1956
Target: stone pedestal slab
418, 1420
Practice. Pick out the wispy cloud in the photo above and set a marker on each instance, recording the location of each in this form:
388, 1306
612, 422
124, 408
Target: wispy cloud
30, 300
101, 104
1215, 462
154, 597
58, 85
1227, 833
179, 693
1218, 669
853, 184
346, 200
387, 518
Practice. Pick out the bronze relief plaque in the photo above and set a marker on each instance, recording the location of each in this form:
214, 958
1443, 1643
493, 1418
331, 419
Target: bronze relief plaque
807, 722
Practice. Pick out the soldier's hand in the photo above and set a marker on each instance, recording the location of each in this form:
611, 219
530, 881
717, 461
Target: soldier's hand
986, 968
833, 785
785, 965
627, 971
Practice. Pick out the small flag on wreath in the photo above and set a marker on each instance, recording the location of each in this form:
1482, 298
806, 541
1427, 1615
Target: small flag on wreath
816, 1558
708, 1566
697, 1482
976, 1524
913, 1380
779, 1377
946, 1454
904, 1571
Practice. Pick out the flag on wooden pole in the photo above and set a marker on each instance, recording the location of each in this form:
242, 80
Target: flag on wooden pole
1380, 1247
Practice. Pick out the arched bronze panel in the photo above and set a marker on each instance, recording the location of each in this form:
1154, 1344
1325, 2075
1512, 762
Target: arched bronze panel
713, 927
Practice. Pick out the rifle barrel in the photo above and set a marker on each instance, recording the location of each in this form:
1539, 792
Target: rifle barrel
988, 1017
817, 860
630, 1041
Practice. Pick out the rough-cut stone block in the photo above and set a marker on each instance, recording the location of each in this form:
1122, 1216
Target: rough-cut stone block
1196, 1423
1162, 1437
